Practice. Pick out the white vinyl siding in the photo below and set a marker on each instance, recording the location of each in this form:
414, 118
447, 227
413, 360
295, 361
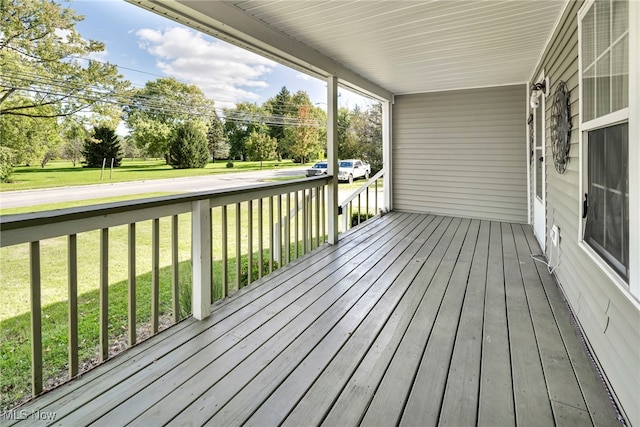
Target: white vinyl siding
608, 316
461, 153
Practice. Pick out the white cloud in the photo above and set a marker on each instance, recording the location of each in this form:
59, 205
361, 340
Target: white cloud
224, 72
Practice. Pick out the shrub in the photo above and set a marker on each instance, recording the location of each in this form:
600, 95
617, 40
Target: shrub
244, 270
188, 147
362, 215
229, 164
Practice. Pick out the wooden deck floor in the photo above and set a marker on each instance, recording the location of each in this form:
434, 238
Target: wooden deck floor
411, 320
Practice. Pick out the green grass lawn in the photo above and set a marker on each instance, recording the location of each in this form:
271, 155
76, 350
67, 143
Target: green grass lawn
61, 173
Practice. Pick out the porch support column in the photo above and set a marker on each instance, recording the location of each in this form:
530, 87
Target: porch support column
387, 107
201, 258
332, 158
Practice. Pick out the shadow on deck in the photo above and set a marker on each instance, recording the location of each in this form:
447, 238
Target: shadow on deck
410, 319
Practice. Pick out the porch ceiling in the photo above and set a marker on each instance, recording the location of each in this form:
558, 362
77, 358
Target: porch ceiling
404, 46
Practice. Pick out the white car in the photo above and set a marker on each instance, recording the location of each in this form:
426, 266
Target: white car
353, 169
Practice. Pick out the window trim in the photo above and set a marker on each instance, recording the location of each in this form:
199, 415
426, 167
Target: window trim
631, 115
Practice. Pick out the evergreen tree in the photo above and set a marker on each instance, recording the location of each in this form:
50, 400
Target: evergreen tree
218, 146
188, 148
102, 144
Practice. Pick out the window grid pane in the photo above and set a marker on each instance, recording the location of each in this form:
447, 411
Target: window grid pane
604, 55
603, 85
620, 74
603, 26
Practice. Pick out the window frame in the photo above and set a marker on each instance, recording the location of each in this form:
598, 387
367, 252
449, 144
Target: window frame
630, 115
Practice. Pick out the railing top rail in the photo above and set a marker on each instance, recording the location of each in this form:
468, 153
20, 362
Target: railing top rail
363, 188
60, 222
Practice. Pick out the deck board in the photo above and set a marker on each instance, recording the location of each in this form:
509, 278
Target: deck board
411, 319
530, 391
496, 387
460, 401
423, 406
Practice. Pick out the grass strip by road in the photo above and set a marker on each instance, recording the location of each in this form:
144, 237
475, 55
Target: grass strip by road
76, 203
61, 173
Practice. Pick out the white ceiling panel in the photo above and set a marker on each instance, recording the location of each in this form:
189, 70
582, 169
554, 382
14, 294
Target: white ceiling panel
419, 46
385, 46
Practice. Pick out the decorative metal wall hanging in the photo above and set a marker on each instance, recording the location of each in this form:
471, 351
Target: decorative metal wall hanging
561, 127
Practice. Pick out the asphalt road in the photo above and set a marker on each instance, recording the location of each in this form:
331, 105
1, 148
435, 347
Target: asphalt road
15, 199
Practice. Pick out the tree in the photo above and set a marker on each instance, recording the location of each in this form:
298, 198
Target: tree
102, 144
42, 62
29, 138
188, 148
74, 135
218, 147
261, 146
279, 108
159, 107
130, 150
303, 140
6, 163
239, 123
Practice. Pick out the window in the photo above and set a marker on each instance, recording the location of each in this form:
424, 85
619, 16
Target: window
604, 65
607, 225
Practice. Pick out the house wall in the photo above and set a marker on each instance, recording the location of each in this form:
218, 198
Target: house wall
608, 315
461, 153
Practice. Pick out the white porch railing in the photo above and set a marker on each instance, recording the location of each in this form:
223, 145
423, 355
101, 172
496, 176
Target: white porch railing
295, 234
351, 208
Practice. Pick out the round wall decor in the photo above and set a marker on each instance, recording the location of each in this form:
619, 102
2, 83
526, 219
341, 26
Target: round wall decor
561, 127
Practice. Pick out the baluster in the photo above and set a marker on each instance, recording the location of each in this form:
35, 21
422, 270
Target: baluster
279, 233
225, 255
155, 274
36, 319
317, 216
238, 247
104, 294
72, 254
271, 239
175, 263
297, 223
304, 222
131, 288
260, 238
287, 231
250, 242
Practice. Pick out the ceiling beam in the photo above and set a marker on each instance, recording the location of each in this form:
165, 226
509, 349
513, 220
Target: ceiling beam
226, 22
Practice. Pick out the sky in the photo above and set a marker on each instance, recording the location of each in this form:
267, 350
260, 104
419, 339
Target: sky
146, 46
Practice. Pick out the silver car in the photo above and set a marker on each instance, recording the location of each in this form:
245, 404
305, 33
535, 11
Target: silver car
318, 169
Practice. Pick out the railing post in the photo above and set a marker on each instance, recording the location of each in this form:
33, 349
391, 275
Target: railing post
332, 158
387, 114
36, 320
201, 259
